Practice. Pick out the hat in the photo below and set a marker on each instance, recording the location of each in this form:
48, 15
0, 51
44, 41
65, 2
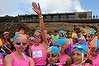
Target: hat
62, 32
75, 36
63, 42
16, 32
92, 32
94, 43
38, 31
82, 37
16, 36
19, 35
6, 33
53, 49
82, 48
31, 38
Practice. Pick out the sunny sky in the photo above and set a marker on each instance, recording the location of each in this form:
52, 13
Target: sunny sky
21, 7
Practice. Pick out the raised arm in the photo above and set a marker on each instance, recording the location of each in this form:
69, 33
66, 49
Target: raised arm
37, 9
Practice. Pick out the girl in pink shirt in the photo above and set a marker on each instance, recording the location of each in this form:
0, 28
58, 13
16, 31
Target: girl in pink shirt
53, 53
38, 50
80, 56
64, 57
94, 56
18, 58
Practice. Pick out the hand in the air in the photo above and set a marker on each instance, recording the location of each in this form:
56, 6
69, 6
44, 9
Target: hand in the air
36, 8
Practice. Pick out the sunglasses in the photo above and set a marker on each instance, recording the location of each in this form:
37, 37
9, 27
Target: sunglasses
51, 55
39, 36
19, 43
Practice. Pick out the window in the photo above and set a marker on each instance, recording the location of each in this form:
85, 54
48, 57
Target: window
83, 15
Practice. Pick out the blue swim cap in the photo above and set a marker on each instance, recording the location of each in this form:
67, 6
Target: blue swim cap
93, 32
82, 48
16, 36
53, 49
63, 42
62, 32
38, 31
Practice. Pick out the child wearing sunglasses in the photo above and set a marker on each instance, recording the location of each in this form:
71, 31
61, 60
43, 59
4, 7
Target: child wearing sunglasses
53, 53
18, 58
90, 37
80, 56
65, 56
38, 49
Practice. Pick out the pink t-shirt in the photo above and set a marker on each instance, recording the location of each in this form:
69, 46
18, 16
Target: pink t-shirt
96, 61
20, 62
1, 60
39, 54
63, 59
87, 64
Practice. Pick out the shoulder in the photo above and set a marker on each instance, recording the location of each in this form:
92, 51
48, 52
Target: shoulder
8, 57
8, 60
31, 60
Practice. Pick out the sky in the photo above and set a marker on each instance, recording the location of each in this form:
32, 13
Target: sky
22, 7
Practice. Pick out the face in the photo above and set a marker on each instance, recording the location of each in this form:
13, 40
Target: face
37, 37
78, 34
6, 36
55, 33
93, 51
22, 31
62, 35
98, 34
20, 44
81, 41
31, 42
62, 49
90, 38
74, 40
52, 57
77, 56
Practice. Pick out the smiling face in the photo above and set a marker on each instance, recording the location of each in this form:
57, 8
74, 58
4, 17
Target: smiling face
52, 57
81, 41
37, 37
20, 44
77, 56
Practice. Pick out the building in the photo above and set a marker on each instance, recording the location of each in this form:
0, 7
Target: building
57, 17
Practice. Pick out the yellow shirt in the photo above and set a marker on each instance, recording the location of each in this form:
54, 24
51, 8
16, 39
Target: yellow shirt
1, 43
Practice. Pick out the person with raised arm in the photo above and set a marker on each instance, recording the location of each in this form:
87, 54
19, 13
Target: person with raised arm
38, 49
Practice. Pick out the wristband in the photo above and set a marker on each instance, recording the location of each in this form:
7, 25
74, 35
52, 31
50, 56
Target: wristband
40, 17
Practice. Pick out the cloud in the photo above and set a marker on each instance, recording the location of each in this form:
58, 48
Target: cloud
15, 7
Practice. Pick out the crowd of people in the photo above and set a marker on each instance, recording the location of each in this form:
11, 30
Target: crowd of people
43, 49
